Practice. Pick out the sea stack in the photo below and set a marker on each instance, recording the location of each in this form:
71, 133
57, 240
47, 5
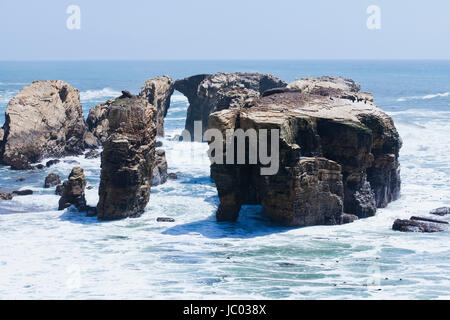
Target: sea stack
127, 159
44, 119
338, 152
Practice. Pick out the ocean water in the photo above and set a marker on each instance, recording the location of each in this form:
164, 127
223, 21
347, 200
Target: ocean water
45, 253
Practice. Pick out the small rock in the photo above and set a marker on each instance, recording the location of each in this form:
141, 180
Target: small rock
73, 191
165, 219
22, 192
52, 162
92, 154
20, 180
441, 211
5, 196
158, 144
348, 218
39, 166
52, 180
90, 187
172, 176
126, 94
91, 211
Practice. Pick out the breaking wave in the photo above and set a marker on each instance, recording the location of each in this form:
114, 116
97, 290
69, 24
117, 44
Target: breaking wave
99, 95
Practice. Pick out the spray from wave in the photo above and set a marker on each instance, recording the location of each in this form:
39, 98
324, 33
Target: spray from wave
426, 97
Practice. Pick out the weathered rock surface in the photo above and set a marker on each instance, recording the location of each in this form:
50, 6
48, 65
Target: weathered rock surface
92, 154
160, 175
127, 159
44, 120
210, 93
5, 196
72, 191
355, 135
158, 91
52, 180
441, 211
420, 224
25, 192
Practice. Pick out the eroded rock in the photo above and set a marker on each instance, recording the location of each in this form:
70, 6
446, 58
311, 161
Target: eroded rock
127, 159
52, 180
44, 119
72, 191
210, 93
158, 91
160, 175
356, 135
441, 211
419, 224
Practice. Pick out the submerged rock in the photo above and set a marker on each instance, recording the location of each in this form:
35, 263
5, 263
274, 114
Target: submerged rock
5, 196
160, 169
348, 218
127, 159
419, 224
162, 219
52, 163
22, 192
44, 119
52, 180
92, 154
441, 211
210, 93
357, 136
72, 191
158, 91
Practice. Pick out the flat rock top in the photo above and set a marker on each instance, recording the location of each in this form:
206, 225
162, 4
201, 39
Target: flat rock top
297, 104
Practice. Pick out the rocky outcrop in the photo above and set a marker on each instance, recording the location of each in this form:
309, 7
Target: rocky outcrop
127, 159
52, 180
5, 196
158, 91
345, 142
420, 224
72, 191
160, 175
211, 93
45, 119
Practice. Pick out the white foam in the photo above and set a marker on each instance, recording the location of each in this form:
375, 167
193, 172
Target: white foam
98, 95
425, 97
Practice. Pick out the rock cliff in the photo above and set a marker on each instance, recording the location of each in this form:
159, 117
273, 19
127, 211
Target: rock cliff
44, 119
127, 159
210, 93
337, 153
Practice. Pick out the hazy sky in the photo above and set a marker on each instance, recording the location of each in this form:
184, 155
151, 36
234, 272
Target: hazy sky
229, 29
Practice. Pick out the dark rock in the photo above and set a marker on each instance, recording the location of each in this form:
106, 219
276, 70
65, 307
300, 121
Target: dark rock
5, 196
441, 211
172, 176
159, 144
158, 91
73, 191
22, 192
52, 163
348, 218
89, 187
44, 119
160, 169
127, 159
428, 220
20, 180
210, 93
417, 226
358, 137
52, 180
59, 190
91, 211
165, 220
39, 166
92, 154
126, 94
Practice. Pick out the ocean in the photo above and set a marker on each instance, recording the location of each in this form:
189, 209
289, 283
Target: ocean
50, 254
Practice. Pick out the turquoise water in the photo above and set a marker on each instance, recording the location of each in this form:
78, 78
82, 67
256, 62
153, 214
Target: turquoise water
51, 254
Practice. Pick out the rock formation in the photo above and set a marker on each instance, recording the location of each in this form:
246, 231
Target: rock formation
52, 180
441, 211
160, 175
44, 119
158, 92
420, 224
5, 196
210, 93
336, 152
127, 159
72, 191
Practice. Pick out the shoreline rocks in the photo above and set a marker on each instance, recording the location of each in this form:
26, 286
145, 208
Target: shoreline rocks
72, 191
44, 119
127, 159
160, 175
420, 224
52, 180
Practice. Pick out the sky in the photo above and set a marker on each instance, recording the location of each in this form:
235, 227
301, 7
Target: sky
224, 30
